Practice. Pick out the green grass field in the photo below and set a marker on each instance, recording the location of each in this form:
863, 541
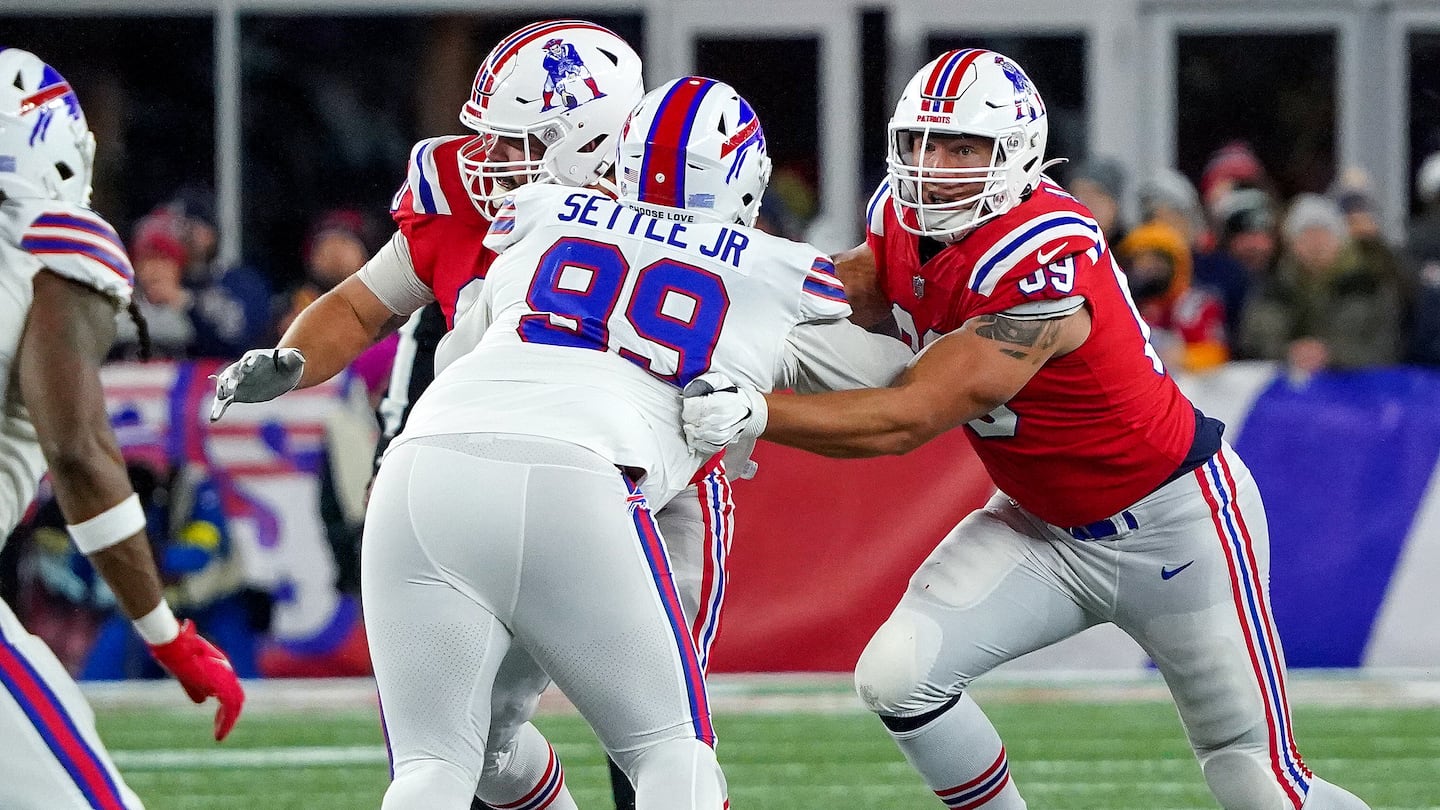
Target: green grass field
1065, 753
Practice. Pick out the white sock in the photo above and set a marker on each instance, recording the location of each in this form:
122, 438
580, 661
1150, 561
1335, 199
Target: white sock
961, 758
525, 774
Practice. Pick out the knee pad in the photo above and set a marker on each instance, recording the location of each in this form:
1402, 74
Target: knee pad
1241, 781
890, 676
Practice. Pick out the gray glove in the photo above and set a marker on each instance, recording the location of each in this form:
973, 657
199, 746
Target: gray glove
259, 376
717, 412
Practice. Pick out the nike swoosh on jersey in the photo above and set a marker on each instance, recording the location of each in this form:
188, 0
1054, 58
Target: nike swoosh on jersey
1044, 259
1166, 573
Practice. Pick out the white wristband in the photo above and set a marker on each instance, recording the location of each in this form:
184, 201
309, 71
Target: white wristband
158, 626
106, 529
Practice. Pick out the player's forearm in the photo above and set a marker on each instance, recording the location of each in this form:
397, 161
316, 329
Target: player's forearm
89, 478
858, 424
129, 569
331, 333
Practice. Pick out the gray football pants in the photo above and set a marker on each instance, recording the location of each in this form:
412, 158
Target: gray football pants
1189, 582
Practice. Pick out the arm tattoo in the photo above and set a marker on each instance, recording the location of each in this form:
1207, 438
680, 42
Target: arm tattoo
1029, 334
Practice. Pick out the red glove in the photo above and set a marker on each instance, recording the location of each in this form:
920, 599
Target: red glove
204, 671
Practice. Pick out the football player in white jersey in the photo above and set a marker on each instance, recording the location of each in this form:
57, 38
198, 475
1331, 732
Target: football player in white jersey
515, 508
63, 276
443, 210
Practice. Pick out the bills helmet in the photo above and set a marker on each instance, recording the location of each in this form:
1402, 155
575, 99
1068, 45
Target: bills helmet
562, 89
46, 149
694, 151
965, 92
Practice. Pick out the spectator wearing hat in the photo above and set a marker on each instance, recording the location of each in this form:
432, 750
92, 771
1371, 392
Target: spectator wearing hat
157, 250
1167, 196
335, 249
234, 302
1421, 266
1233, 166
1246, 247
1100, 184
1187, 323
1324, 305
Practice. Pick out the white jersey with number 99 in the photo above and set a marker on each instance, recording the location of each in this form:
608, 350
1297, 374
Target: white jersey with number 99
595, 316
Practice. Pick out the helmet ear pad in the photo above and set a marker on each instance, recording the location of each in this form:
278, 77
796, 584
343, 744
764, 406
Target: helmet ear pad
694, 150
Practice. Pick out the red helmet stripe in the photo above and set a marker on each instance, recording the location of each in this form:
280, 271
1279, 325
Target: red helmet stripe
952, 85
662, 171
936, 72
43, 96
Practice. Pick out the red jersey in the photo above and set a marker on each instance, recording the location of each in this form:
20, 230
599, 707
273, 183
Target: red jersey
1093, 431
441, 223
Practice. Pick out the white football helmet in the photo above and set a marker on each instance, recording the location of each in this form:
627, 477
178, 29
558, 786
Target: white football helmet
694, 151
46, 149
562, 88
966, 92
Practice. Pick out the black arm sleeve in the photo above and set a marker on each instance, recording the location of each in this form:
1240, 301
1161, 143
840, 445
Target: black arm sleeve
413, 372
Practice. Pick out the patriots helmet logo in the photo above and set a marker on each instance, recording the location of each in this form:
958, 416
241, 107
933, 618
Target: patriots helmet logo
564, 70
1026, 99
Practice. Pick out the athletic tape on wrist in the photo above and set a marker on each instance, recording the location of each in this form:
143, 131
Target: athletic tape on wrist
159, 626
109, 527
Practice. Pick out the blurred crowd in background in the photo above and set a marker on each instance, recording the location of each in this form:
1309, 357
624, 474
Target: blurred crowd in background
1221, 268
1225, 268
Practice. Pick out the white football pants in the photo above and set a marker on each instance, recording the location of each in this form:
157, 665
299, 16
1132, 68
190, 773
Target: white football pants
697, 526
53, 759
474, 543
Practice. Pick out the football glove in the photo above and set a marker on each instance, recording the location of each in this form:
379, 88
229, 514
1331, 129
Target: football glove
259, 376
205, 672
717, 412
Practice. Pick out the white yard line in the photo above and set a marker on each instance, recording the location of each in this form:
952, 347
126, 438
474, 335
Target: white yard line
823, 692
296, 757
328, 756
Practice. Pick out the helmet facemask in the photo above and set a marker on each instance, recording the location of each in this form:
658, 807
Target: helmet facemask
489, 181
950, 202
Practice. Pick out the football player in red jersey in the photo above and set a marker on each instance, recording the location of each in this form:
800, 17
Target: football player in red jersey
1119, 501
436, 258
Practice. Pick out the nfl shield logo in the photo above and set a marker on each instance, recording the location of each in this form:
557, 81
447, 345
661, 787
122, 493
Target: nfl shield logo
917, 284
